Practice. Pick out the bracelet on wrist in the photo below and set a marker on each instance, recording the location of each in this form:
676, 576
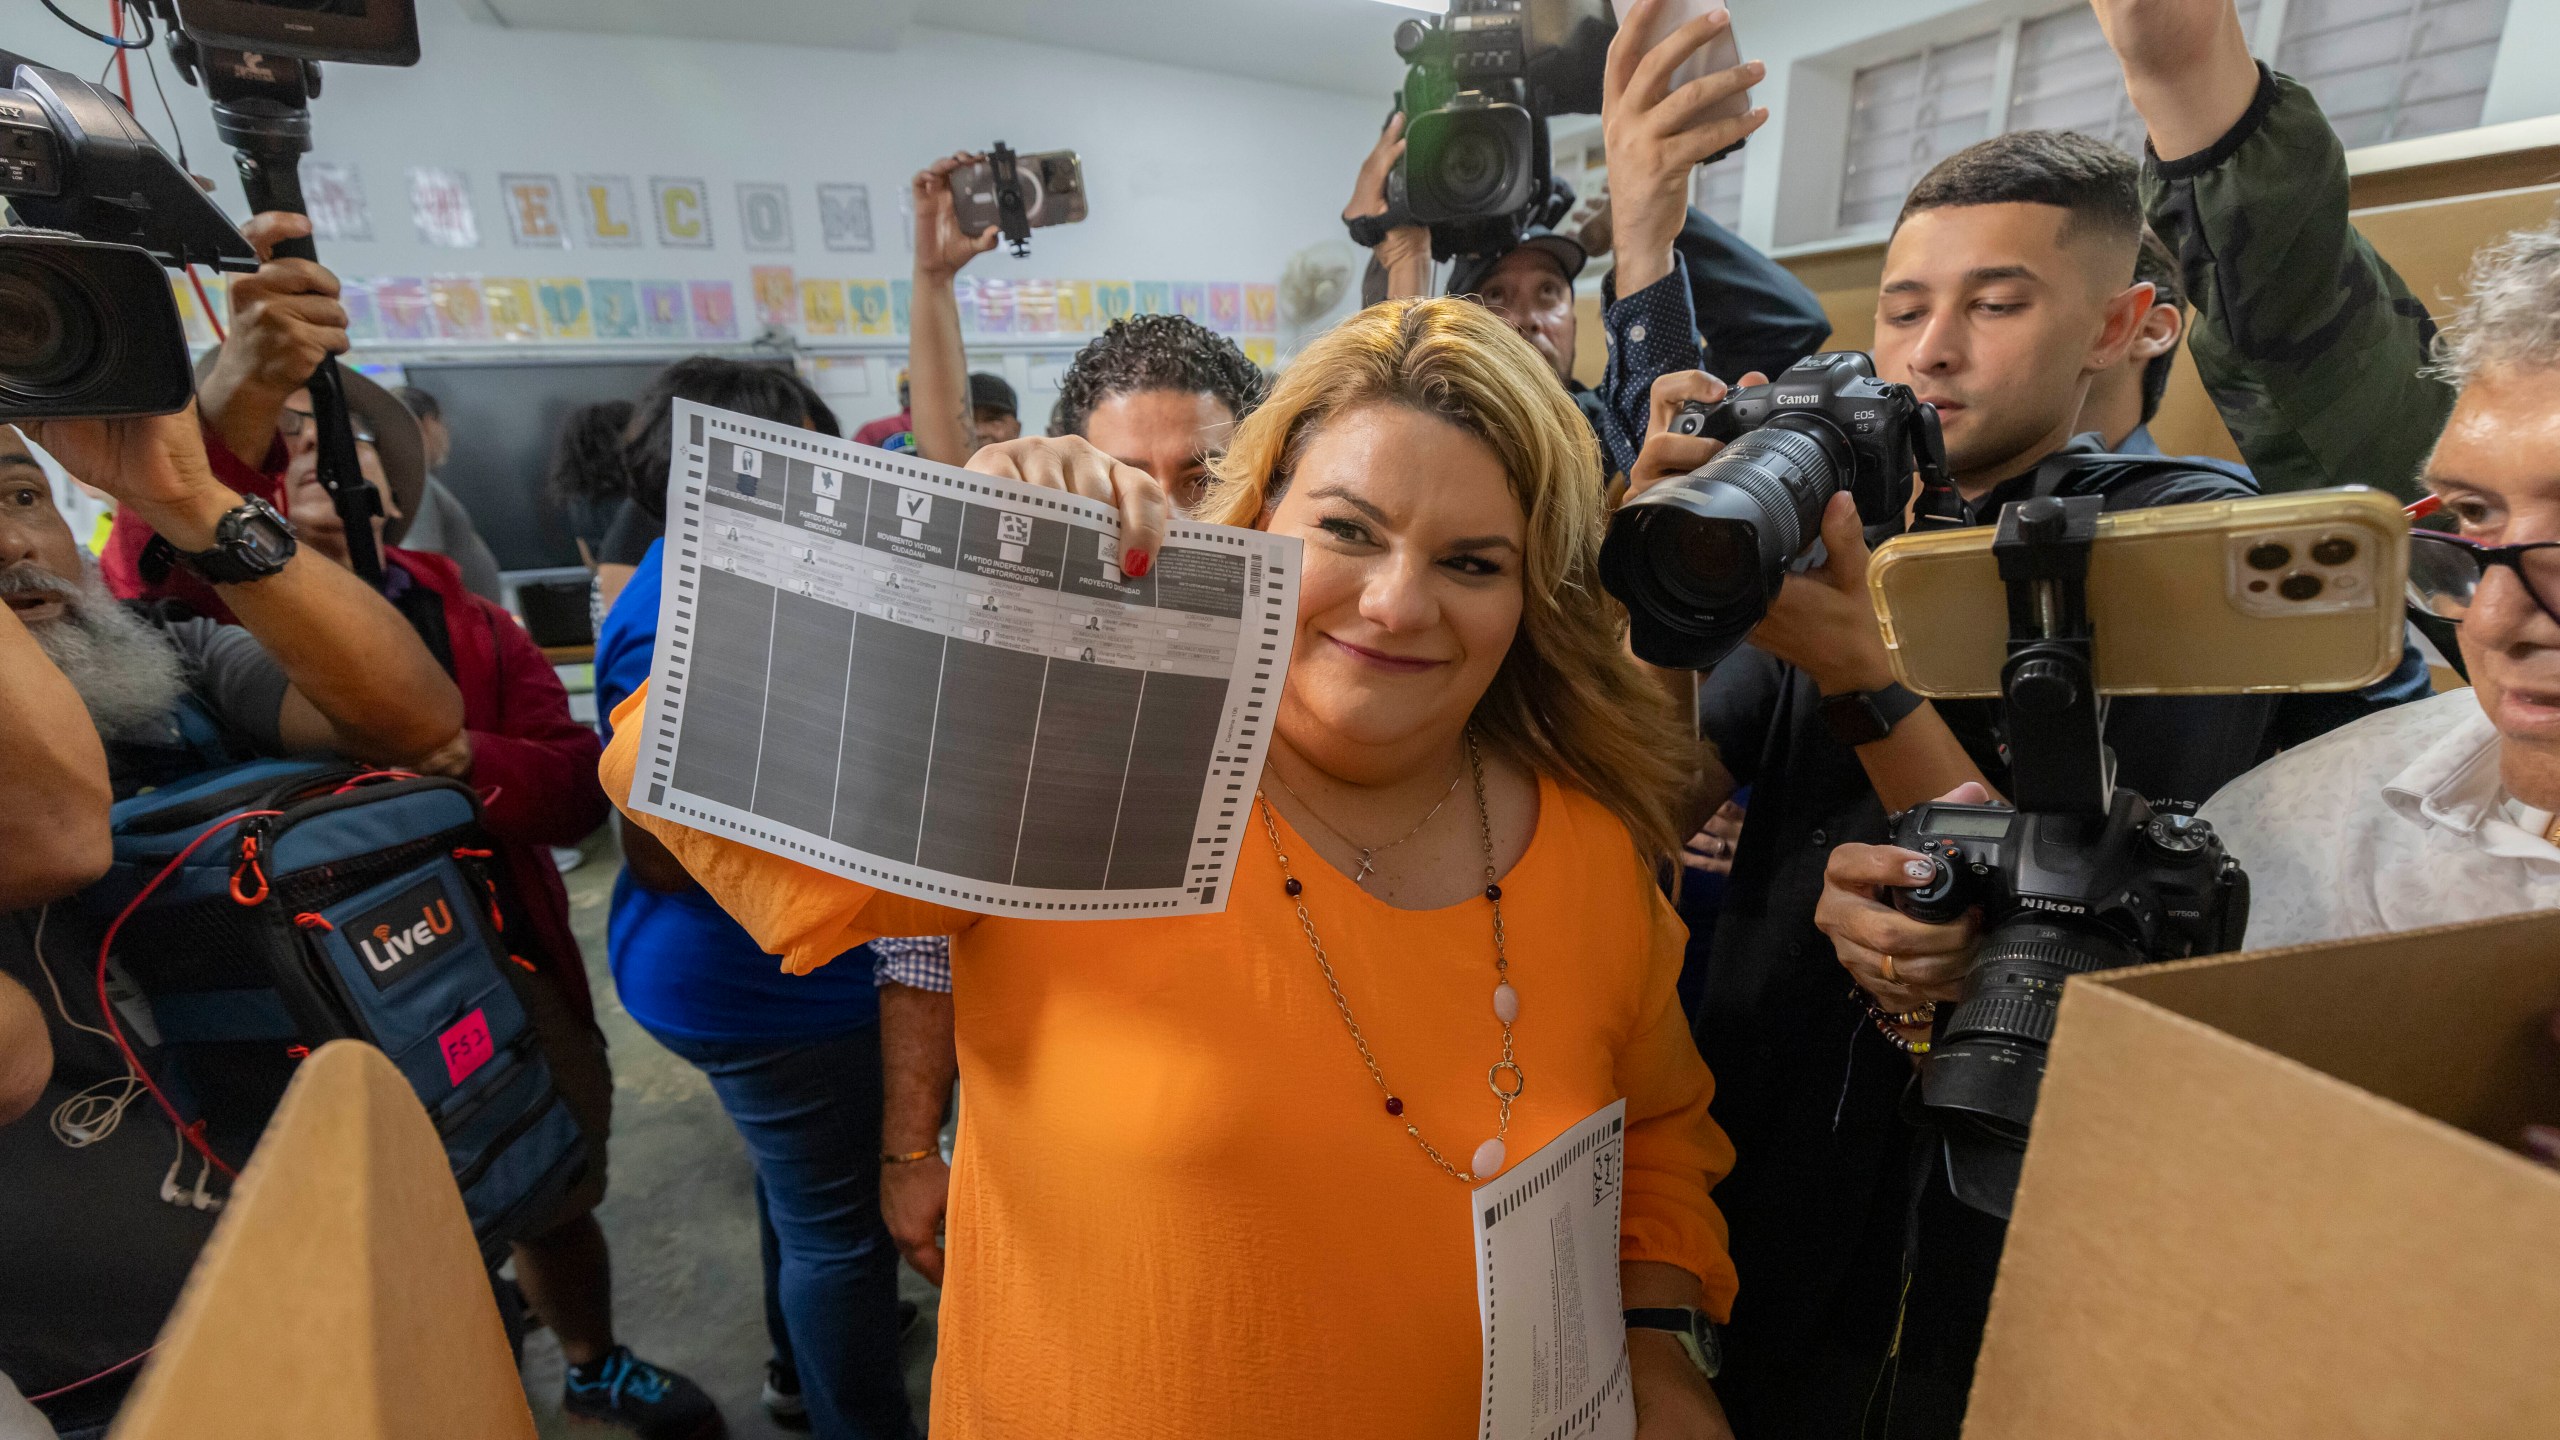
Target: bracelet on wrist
912, 1157
1890, 1024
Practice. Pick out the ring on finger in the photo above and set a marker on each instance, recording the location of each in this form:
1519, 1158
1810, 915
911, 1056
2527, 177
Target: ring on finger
1889, 977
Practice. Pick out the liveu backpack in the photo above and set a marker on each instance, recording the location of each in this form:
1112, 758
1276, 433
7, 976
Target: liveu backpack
256, 911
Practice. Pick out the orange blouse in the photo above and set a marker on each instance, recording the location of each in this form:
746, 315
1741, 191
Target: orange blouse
1179, 1206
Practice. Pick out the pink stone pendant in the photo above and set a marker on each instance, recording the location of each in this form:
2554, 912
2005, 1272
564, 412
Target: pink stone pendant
1488, 1161
1506, 1004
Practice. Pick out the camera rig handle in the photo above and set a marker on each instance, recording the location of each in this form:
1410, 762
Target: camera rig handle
261, 109
2058, 761
1011, 217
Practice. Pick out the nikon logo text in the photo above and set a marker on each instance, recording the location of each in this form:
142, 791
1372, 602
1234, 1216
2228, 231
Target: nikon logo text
2065, 907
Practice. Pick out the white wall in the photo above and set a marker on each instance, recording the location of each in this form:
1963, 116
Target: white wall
1192, 177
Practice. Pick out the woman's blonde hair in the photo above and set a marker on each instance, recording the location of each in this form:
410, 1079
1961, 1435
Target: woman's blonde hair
1568, 701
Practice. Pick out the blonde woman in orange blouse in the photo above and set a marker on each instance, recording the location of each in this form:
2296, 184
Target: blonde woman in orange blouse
1215, 1173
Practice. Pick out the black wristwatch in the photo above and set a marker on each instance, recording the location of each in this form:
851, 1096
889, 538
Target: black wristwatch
1696, 1333
1862, 717
252, 542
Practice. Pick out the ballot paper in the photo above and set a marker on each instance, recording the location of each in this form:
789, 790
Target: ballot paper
943, 684
1555, 1335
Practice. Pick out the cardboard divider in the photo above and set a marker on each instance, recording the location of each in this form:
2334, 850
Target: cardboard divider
342, 1294
2221, 1231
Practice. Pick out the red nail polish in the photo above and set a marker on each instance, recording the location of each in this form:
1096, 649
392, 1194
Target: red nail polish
1135, 563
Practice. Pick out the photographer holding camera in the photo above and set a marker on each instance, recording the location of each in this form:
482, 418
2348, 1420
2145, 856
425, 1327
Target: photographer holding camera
2008, 285
1678, 273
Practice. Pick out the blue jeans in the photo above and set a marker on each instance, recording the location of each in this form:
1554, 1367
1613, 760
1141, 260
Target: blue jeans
810, 1114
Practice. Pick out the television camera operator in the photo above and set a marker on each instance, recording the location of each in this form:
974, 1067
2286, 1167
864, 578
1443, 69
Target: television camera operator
2008, 285
1678, 274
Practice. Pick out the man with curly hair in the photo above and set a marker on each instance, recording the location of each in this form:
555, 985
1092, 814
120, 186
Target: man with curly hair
1159, 392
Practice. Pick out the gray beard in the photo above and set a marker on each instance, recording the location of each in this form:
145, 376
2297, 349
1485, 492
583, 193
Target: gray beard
125, 670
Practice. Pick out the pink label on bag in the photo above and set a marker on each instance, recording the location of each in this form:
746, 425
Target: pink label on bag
466, 1047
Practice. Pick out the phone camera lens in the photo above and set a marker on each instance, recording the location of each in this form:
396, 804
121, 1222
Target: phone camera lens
2269, 555
2333, 550
2300, 587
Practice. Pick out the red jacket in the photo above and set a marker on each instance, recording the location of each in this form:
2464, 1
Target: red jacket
535, 768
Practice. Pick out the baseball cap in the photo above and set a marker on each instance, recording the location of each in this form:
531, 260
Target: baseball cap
1468, 275
990, 392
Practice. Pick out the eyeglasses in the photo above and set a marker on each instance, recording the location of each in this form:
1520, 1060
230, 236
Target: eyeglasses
293, 422
2445, 571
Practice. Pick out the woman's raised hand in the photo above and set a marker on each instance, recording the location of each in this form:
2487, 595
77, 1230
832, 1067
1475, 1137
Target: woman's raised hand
1074, 464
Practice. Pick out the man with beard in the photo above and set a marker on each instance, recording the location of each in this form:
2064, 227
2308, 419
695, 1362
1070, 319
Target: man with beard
103, 1228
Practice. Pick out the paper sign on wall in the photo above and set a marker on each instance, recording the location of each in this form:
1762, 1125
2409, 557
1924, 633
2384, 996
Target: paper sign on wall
844, 217
1261, 309
684, 213
822, 308
1112, 300
901, 298
605, 211
1075, 307
564, 309
407, 314
534, 215
333, 196
715, 310
616, 306
777, 295
1153, 297
869, 300
1262, 351
1191, 302
964, 296
363, 321
663, 314
1035, 307
190, 314
513, 313
1226, 308
764, 215
440, 206
459, 313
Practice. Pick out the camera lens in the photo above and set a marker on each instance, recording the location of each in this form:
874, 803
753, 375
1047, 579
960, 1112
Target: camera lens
1696, 559
2333, 550
1472, 168
49, 331
2300, 587
2269, 555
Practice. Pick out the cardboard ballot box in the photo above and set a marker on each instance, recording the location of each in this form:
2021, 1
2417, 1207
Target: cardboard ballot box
2275, 1195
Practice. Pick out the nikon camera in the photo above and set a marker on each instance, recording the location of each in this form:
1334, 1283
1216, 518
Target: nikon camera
2061, 895
1696, 560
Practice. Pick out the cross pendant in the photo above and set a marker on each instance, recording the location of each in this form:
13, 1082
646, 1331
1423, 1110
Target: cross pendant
1368, 862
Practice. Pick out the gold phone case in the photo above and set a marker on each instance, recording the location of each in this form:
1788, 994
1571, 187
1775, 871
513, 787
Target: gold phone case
2179, 596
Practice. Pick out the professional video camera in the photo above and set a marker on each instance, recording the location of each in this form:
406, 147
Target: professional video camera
1479, 85
1697, 560
258, 61
88, 324
2077, 876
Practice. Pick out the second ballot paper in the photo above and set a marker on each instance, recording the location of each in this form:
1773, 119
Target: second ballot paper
941, 683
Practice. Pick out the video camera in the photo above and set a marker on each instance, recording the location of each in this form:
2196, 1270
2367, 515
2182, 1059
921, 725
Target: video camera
1697, 560
1479, 85
88, 323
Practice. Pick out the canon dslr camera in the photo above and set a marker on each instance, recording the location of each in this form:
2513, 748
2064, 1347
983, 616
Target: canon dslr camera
1697, 560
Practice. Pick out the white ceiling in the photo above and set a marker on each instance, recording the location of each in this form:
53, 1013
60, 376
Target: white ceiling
1341, 45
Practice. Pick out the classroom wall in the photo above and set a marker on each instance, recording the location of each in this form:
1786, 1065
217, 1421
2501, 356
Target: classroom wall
1192, 176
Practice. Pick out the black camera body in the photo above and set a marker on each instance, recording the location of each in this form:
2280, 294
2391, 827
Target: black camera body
1478, 88
2060, 895
1697, 560
88, 324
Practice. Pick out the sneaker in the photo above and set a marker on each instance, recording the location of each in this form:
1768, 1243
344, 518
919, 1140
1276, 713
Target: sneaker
782, 1396
651, 1402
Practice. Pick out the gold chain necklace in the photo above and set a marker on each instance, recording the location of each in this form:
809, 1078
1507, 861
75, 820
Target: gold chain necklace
1488, 1157
1368, 853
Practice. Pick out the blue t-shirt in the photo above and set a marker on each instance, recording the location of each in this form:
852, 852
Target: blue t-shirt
680, 964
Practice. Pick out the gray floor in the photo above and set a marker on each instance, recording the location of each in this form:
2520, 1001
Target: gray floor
680, 1212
